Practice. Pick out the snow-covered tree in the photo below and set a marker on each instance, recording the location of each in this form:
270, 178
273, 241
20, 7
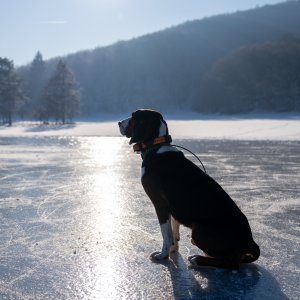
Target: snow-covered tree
36, 84
61, 95
11, 94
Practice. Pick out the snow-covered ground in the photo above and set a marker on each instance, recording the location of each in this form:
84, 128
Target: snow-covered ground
76, 223
246, 127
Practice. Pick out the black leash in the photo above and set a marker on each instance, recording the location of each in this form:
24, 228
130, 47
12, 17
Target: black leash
192, 154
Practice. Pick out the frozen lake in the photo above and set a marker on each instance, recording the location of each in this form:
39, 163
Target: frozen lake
76, 223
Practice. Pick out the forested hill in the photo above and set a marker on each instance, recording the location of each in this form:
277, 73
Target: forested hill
173, 68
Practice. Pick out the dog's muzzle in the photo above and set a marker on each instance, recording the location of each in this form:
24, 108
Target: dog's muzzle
124, 127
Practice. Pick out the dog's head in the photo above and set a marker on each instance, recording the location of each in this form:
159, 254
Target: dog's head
144, 126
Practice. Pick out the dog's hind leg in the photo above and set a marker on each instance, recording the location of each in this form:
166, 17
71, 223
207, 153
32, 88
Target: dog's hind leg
176, 236
198, 260
217, 246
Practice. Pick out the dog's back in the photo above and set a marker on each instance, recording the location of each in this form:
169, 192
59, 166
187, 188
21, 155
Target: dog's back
187, 187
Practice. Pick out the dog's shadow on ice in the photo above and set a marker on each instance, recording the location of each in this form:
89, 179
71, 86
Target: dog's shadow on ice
251, 281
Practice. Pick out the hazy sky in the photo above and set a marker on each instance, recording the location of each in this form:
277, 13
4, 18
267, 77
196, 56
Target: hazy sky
59, 27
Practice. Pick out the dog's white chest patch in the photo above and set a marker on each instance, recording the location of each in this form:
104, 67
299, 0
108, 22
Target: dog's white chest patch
161, 150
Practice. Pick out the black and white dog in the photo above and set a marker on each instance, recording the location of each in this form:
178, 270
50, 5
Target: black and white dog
183, 194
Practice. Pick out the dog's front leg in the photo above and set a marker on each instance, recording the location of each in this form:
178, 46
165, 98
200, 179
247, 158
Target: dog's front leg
161, 205
176, 236
166, 231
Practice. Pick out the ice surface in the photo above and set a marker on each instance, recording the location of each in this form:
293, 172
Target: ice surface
76, 223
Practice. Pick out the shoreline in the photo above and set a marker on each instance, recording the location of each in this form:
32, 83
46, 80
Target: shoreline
284, 127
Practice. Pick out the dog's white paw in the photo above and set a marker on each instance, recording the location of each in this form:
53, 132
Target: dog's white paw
159, 255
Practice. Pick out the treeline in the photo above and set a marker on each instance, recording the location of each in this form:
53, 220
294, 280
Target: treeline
12, 97
258, 78
229, 63
40, 98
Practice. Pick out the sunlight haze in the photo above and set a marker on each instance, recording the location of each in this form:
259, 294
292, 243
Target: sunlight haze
60, 27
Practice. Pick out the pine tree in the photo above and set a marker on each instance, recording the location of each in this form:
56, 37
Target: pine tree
11, 94
36, 84
62, 100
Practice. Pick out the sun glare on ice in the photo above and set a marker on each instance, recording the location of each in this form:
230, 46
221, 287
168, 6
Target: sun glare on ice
107, 201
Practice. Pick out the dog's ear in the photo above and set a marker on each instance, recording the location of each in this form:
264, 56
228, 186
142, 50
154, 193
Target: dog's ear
145, 126
137, 123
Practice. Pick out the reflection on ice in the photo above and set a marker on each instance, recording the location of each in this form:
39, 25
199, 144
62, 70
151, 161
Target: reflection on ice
103, 152
105, 196
76, 223
104, 193
105, 201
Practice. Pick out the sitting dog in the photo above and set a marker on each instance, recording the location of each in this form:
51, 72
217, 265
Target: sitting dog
183, 194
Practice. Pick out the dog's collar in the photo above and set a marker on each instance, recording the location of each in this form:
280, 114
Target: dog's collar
142, 147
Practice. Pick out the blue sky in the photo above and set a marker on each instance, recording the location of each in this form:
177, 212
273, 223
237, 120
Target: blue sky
60, 27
